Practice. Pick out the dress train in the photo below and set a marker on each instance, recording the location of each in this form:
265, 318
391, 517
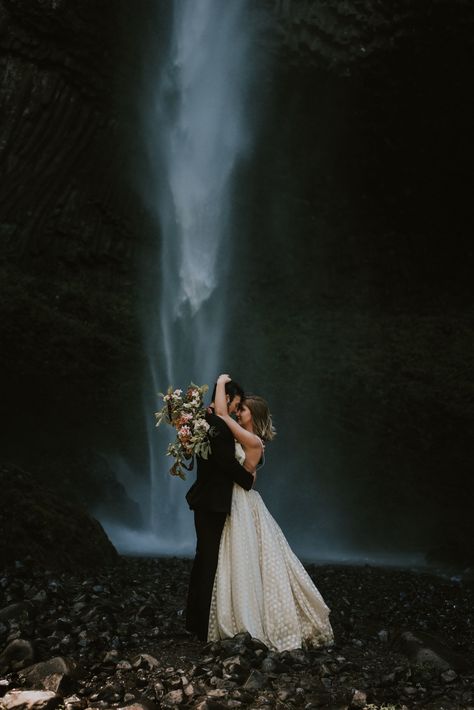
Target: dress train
260, 585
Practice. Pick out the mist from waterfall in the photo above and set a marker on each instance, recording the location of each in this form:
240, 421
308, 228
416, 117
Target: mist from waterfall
200, 130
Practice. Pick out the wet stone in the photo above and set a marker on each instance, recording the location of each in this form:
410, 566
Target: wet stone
159, 689
256, 681
359, 699
145, 660
4, 686
299, 657
257, 645
189, 690
17, 654
123, 665
449, 676
58, 683
111, 657
110, 691
236, 666
269, 665
30, 700
217, 693
173, 698
56, 670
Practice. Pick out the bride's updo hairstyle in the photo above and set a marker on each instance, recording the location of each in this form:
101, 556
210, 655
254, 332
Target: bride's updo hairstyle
261, 417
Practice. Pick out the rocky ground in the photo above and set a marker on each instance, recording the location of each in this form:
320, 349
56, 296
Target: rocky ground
116, 638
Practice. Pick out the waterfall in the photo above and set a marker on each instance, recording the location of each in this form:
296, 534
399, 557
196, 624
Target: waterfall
200, 133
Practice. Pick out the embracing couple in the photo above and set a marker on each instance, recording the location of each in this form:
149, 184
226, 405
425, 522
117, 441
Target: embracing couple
245, 577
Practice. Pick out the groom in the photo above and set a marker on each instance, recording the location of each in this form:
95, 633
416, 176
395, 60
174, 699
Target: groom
210, 498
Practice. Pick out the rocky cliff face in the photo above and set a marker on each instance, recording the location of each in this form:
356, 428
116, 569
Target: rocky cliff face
347, 35
69, 223
62, 162
357, 315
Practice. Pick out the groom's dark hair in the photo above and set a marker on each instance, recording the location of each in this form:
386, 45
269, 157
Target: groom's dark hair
233, 389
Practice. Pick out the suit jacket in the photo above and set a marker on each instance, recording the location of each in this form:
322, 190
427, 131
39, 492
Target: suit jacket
216, 475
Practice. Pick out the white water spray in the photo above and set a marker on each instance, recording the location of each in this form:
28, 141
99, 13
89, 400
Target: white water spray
200, 133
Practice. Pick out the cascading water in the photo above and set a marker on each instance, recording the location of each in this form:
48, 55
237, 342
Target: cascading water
197, 130
200, 133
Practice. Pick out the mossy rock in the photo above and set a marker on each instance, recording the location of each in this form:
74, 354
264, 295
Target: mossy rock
37, 523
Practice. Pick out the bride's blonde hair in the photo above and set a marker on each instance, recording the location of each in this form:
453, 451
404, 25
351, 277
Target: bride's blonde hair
261, 417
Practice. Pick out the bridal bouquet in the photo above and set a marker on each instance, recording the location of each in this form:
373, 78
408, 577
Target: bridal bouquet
186, 413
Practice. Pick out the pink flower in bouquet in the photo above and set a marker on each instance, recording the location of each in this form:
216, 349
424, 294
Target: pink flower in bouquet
184, 432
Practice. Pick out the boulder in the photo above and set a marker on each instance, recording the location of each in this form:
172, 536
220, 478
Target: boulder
42, 525
18, 654
30, 700
424, 649
256, 681
173, 698
55, 675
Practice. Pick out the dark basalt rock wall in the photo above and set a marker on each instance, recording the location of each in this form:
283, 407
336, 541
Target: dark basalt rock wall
358, 315
339, 34
62, 163
69, 224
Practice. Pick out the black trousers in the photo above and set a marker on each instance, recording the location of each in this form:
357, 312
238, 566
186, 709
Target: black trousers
208, 526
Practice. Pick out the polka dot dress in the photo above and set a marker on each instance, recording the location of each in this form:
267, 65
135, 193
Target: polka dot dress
260, 585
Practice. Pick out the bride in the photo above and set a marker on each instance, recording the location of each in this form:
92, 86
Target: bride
260, 585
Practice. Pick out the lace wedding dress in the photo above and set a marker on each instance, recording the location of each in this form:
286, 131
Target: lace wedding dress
260, 585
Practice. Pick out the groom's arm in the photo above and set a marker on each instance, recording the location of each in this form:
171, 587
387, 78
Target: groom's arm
224, 454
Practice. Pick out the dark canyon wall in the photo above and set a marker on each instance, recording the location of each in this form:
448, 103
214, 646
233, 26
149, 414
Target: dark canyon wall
70, 224
352, 311
357, 318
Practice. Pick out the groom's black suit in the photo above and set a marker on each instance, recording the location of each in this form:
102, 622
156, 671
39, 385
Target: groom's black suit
211, 497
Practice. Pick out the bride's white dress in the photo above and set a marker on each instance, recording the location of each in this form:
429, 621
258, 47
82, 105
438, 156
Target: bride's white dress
260, 585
